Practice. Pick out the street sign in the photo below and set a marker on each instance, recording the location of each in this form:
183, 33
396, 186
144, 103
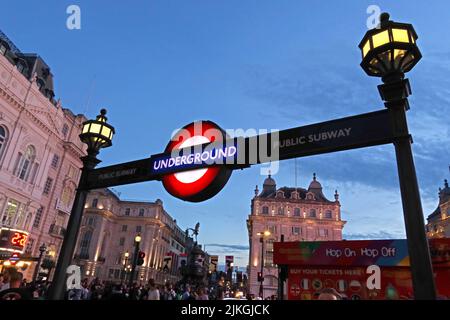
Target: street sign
15, 257
200, 184
199, 159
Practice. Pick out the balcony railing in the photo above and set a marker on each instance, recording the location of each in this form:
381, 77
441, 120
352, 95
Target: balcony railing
56, 230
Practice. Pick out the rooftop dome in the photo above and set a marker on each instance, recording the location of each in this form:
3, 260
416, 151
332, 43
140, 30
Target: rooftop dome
269, 181
314, 184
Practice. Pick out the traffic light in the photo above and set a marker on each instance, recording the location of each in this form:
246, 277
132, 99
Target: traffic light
260, 277
140, 260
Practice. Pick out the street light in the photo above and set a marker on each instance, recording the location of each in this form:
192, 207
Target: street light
96, 134
137, 241
42, 249
389, 52
261, 280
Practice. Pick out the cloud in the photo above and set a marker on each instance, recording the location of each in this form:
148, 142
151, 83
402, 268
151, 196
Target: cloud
373, 235
307, 92
230, 247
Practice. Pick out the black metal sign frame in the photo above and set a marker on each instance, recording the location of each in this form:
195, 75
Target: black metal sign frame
364, 130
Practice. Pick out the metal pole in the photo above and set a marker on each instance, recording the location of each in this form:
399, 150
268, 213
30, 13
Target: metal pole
280, 277
38, 266
133, 266
395, 94
261, 286
58, 286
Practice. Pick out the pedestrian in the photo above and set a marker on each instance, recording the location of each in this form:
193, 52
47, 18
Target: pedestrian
168, 292
153, 292
186, 293
4, 285
15, 291
201, 294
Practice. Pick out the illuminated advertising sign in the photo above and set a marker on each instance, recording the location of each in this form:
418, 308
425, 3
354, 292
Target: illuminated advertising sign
13, 240
213, 260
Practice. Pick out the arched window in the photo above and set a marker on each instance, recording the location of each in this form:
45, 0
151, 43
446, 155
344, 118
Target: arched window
297, 212
280, 211
85, 243
312, 213
24, 163
328, 214
94, 203
265, 210
3, 139
66, 197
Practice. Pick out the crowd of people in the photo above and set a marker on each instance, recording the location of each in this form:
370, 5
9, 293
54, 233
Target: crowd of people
14, 287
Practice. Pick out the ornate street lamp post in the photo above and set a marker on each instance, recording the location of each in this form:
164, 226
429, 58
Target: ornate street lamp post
42, 249
96, 134
389, 52
137, 241
261, 280
125, 263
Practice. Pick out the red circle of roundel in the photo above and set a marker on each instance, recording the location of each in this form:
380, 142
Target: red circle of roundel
212, 180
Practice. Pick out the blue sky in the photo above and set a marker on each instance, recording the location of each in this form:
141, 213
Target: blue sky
158, 65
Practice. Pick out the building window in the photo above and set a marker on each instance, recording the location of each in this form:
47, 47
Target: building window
312, 213
121, 241
138, 228
116, 273
268, 257
141, 212
94, 203
323, 232
85, 243
65, 130
24, 163
280, 211
38, 217
265, 210
297, 212
12, 212
2, 49
328, 214
55, 161
124, 228
48, 185
73, 173
127, 211
20, 67
110, 273
66, 197
2, 140
296, 230
29, 247
273, 229
91, 221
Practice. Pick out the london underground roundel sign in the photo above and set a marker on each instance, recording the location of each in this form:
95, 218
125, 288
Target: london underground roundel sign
198, 184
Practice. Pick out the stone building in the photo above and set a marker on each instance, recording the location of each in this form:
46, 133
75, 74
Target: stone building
296, 213
438, 223
108, 230
39, 154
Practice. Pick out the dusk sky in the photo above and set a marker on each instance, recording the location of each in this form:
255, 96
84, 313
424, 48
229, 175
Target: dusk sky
158, 65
